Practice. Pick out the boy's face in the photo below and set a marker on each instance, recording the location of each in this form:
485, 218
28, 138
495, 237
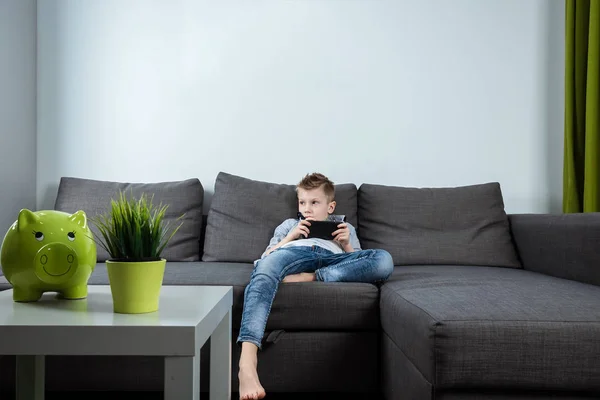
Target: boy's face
314, 203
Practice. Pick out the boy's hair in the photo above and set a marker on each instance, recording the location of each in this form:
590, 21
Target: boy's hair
316, 180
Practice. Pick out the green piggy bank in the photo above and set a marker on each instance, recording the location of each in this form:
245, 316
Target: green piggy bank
48, 251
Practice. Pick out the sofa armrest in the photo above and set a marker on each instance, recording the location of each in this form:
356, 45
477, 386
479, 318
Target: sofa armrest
562, 245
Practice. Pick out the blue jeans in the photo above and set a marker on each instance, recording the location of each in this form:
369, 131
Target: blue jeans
359, 266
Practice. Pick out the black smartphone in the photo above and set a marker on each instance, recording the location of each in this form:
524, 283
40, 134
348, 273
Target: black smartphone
321, 229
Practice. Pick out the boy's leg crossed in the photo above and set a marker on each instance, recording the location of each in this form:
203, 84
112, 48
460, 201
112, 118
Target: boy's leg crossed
258, 298
264, 283
373, 265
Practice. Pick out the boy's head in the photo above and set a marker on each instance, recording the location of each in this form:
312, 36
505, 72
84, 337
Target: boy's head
316, 195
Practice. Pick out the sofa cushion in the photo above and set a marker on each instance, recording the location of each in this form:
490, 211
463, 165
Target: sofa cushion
463, 225
309, 363
182, 197
467, 327
244, 213
297, 306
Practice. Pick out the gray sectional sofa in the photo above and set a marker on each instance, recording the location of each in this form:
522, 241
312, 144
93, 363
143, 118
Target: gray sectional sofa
481, 305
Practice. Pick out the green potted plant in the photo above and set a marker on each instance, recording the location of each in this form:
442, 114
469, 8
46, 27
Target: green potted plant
134, 233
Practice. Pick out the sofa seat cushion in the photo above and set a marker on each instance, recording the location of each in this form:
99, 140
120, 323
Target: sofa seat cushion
467, 327
297, 306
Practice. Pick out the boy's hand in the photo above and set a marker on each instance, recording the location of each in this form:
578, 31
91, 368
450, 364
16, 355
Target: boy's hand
342, 235
300, 230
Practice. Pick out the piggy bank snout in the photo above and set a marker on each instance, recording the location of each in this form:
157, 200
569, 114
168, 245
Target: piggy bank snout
56, 252
55, 262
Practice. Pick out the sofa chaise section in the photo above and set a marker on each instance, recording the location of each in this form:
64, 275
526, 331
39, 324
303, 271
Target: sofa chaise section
484, 328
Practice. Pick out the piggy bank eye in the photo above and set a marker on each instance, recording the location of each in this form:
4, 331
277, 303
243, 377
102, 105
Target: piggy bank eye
39, 236
71, 236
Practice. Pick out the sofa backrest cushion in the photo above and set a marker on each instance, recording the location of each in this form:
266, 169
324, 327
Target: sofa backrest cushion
182, 197
244, 213
463, 225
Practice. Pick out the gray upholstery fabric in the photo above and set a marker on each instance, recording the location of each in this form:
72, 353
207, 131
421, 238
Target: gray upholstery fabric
93, 373
400, 379
463, 225
565, 245
244, 214
183, 197
297, 306
7, 377
477, 327
102, 373
319, 362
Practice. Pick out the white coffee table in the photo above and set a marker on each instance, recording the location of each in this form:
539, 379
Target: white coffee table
187, 317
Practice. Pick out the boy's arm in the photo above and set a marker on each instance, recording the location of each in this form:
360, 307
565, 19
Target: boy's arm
280, 236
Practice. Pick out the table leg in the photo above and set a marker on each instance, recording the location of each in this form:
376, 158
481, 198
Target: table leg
30, 371
220, 360
182, 378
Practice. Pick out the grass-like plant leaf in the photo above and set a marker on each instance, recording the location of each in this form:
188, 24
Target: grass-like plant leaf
134, 229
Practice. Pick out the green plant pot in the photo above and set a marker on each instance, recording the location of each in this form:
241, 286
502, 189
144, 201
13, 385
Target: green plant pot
135, 286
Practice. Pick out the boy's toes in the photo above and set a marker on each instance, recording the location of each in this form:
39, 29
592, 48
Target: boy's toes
250, 387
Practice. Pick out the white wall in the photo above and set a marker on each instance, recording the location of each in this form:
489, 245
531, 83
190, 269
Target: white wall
17, 109
398, 92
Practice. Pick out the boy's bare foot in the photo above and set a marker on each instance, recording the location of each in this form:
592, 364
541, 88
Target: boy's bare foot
301, 277
250, 387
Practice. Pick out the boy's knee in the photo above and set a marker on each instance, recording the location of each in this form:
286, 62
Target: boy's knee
265, 267
385, 263
270, 265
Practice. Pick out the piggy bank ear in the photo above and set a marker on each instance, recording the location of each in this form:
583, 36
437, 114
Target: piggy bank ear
79, 218
26, 217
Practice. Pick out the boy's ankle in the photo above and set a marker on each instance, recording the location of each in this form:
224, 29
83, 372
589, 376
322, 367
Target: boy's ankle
244, 364
248, 361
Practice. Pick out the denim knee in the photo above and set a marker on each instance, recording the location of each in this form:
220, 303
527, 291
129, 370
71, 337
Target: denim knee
269, 268
385, 264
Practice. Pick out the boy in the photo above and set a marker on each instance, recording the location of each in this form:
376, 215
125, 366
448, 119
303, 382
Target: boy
292, 257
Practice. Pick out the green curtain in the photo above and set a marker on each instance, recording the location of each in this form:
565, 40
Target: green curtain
581, 186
